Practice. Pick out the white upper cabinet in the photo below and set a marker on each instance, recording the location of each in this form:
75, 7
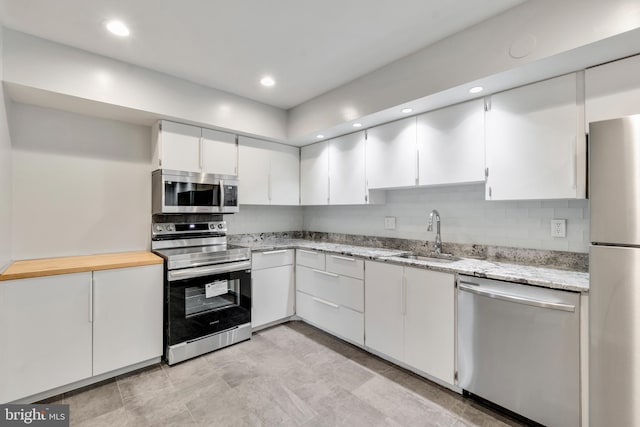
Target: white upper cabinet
612, 90
193, 149
219, 152
314, 174
176, 146
391, 155
347, 172
269, 173
535, 141
451, 144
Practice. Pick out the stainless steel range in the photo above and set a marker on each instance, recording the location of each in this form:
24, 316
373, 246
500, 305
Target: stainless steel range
207, 288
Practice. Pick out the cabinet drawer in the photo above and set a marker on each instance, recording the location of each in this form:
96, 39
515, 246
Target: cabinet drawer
345, 266
311, 259
339, 320
268, 259
337, 289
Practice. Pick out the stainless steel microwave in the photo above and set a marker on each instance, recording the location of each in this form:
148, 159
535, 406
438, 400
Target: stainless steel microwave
192, 192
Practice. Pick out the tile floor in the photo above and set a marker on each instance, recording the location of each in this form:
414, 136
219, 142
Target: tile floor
287, 375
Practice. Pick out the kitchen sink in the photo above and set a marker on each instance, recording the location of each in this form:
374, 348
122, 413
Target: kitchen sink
432, 258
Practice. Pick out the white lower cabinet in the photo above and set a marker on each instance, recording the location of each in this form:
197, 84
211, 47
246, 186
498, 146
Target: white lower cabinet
127, 316
331, 301
410, 317
57, 330
273, 288
45, 331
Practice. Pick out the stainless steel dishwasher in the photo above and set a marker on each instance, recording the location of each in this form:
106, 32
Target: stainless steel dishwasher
519, 348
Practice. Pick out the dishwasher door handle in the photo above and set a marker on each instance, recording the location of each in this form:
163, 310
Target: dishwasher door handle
517, 299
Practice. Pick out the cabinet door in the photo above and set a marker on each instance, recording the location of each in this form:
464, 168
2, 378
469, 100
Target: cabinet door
391, 155
127, 316
45, 331
254, 163
347, 178
612, 90
285, 175
314, 174
384, 308
535, 142
180, 147
273, 295
219, 152
451, 144
429, 326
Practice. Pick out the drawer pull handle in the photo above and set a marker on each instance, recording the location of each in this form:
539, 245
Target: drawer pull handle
308, 252
321, 301
324, 272
274, 252
342, 258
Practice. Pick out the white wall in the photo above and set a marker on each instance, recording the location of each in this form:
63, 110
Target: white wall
465, 218
50, 69
5, 174
264, 219
81, 185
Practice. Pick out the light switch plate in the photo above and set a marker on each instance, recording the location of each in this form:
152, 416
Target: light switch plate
389, 222
558, 228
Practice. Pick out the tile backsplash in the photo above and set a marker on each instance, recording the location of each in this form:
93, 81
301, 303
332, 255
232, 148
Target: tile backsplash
465, 218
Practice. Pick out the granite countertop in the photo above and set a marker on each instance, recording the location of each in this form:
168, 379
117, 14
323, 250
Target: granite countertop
530, 275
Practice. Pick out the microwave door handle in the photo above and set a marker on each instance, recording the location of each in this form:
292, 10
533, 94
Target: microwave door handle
221, 195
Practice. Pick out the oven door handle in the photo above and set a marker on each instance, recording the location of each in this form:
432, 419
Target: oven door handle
189, 273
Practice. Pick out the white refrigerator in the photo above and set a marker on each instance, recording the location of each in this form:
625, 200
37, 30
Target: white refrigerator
614, 264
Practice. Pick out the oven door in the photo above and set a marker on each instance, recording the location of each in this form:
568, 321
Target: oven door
206, 300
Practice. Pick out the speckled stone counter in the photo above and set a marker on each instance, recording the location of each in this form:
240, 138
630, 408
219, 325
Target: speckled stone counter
529, 275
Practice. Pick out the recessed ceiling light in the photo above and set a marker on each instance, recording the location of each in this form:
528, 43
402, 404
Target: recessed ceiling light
476, 89
267, 81
407, 110
357, 125
118, 28
319, 136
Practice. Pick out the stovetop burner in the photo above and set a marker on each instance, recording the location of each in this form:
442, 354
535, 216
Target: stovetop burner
191, 245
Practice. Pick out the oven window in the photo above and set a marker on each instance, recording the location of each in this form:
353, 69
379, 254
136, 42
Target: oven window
190, 194
211, 296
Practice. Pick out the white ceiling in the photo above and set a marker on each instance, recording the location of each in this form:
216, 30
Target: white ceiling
309, 47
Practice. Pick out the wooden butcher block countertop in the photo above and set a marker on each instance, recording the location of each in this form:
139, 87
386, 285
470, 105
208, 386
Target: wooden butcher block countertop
76, 264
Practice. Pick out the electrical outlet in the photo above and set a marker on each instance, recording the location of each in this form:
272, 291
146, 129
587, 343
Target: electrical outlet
558, 228
389, 222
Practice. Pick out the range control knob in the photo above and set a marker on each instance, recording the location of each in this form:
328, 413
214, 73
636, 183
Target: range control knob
221, 226
212, 226
158, 228
168, 227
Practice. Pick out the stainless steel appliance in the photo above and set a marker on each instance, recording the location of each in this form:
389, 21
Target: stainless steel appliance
191, 192
519, 348
207, 288
614, 264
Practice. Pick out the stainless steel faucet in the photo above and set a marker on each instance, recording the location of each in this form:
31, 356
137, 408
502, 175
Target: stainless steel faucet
438, 244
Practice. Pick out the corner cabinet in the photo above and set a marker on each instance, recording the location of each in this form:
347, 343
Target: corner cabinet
451, 145
182, 147
410, 317
269, 173
314, 174
535, 141
391, 155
